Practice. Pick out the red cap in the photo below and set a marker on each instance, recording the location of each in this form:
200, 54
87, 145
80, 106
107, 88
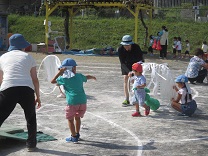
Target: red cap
137, 67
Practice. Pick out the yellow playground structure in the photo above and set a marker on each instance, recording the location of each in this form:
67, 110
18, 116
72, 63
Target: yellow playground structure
133, 6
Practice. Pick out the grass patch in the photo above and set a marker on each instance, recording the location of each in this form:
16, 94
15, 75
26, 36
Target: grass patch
98, 32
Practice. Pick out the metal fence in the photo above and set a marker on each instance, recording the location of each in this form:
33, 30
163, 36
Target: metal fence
177, 3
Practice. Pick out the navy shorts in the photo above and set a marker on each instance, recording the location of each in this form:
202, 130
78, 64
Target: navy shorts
189, 108
186, 52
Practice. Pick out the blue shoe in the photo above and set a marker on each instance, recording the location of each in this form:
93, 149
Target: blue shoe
72, 139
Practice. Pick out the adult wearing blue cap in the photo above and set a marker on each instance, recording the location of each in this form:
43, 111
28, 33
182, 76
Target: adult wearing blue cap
19, 84
129, 53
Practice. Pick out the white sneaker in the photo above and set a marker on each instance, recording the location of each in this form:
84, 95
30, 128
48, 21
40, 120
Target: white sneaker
61, 96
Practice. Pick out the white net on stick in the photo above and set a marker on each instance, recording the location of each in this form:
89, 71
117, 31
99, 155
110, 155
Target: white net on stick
160, 82
47, 70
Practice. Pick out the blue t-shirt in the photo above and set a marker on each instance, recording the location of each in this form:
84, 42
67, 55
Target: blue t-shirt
74, 89
194, 67
139, 80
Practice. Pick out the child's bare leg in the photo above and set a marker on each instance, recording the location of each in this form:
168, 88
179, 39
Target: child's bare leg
137, 113
72, 127
176, 106
145, 106
78, 123
147, 109
174, 55
179, 55
137, 107
126, 92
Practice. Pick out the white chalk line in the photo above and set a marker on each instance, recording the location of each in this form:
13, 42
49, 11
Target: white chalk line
195, 139
139, 143
202, 96
165, 141
196, 93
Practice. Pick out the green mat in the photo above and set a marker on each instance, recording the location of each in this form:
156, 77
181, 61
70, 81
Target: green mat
41, 137
12, 132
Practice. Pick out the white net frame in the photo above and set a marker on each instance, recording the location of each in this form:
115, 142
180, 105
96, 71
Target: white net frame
47, 70
161, 82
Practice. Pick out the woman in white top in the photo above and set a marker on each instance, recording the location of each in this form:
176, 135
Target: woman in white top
19, 84
163, 42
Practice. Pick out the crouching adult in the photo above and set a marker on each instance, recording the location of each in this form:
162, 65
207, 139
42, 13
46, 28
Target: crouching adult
197, 68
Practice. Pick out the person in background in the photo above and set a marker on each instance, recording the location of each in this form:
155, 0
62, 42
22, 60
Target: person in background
183, 102
204, 47
163, 42
174, 46
205, 56
179, 47
19, 84
197, 67
75, 95
150, 49
129, 53
188, 47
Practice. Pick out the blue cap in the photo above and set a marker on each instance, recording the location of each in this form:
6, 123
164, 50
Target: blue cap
181, 79
17, 42
68, 62
126, 40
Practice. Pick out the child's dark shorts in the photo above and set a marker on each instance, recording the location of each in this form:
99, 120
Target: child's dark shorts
189, 109
125, 71
174, 50
150, 49
186, 52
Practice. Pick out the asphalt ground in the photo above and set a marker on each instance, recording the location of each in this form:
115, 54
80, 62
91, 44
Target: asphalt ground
108, 129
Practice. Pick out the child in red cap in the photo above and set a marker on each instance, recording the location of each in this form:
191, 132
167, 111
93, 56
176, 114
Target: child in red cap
139, 83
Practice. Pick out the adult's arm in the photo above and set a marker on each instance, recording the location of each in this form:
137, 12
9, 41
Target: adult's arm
120, 55
122, 59
35, 81
139, 53
205, 65
1, 76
